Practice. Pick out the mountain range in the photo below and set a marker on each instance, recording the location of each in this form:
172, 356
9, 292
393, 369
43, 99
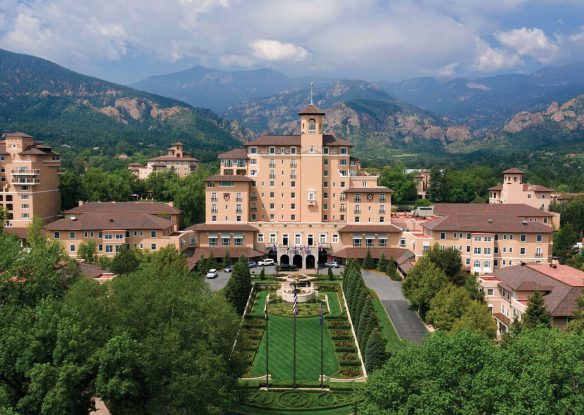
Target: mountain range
65, 107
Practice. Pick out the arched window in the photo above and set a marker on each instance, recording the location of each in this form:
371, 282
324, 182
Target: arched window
312, 125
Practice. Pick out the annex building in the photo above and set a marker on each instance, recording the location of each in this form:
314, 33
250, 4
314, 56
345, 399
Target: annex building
29, 181
513, 190
176, 161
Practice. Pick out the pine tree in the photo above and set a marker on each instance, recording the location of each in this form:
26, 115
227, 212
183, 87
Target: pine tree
239, 285
368, 262
360, 304
263, 274
226, 259
536, 314
365, 321
375, 356
382, 263
391, 270
331, 276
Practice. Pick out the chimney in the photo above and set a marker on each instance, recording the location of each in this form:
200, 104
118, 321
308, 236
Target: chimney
73, 218
81, 203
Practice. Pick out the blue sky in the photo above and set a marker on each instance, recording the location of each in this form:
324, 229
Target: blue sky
124, 41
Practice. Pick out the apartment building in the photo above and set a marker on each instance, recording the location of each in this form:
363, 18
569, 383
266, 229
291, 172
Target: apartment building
514, 190
176, 160
507, 292
29, 181
422, 181
111, 225
488, 236
298, 199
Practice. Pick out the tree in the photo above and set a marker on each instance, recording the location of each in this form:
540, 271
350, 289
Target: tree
3, 217
239, 285
448, 305
226, 259
125, 261
474, 289
368, 262
391, 270
577, 324
449, 261
331, 275
477, 317
536, 314
382, 263
87, 252
564, 241
366, 323
402, 183
263, 274
375, 355
438, 185
424, 280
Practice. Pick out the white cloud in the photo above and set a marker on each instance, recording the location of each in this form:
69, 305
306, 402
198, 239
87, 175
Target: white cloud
274, 50
528, 42
489, 59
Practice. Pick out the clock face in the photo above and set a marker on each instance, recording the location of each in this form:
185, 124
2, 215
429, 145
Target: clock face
226, 196
312, 149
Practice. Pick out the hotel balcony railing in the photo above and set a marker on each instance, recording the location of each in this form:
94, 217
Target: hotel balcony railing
214, 211
239, 199
25, 180
272, 176
357, 211
382, 210
272, 165
539, 254
357, 200
293, 176
214, 199
238, 211
253, 208
26, 172
292, 164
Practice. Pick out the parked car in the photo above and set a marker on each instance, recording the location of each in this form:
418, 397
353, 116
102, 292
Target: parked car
332, 264
252, 264
266, 262
287, 267
212, 273
228, 268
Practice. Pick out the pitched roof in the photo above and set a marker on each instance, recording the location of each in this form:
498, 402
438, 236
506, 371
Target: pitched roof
219, 227
228, 178
294, 140
562, 286
379, 189
153, 208
514, 209
97, 221
93, 271
173, 158
485, 223
237, 153
360, 253
311, 110
526, 187
16, 134
513, 170
377, 228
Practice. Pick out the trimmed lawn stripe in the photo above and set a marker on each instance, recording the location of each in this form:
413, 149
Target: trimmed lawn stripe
307, 350
334, 303
387, 330
260, 302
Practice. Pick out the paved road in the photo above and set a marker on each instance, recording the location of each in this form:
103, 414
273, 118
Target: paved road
407, 323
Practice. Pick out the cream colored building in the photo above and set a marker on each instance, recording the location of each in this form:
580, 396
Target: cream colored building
507, 292
29, 181
299, 199
514, 190
177, 161
111, 225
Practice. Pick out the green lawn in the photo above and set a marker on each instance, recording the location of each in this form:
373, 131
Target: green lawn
307, 350
387, 330
259, 304
334, 303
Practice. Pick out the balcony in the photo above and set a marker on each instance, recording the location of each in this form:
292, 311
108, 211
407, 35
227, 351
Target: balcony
26, 181
214, 199
239, 200
539, 254
293, 176
272, 176
356, 211
26, 172
238, 211
214, 211
312, 202
382, 211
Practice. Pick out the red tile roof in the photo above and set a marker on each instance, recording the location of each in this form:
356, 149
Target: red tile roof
228, 178
16, 135
311, 110
562, 286
238, 153
153, 208
97, 221
485, 223
377, 228
172, 158
515, 209
513, 170
219, 227
379, 189
294, 140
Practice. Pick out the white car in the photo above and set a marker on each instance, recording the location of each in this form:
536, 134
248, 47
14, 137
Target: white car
332, 264
212, 273
266, 262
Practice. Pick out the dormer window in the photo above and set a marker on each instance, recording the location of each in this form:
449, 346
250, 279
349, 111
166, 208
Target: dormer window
311, 125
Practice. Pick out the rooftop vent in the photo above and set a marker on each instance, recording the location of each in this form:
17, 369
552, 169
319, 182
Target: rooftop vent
73, 217
524, 222
111, 220
490, 220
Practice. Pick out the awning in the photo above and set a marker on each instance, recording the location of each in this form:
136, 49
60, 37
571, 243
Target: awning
238, 235
212, 235
382, 236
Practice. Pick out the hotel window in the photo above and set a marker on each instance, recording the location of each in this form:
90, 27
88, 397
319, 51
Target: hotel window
343, 150
545, 220
343, 162
342, 184
442, 235
495, 262
325, 162
369, 242
24, 205
325, 184
293, 183
539, 237
325, 206
487, 251
99, 235
382, 242
292, 150
293, 206
292, 217
381, 219
214, 218
212, 241
109, 249
357, 242
311, 125
282, 151
260, 238
522, 238
24, 197
477, 251
468, 248
71, 235
402, 242
153, 234
253, 161
335, 238
272, 205
325, 173
382, 197
510, 236
322, 238
272, 195
325, 150
468, 236
57, 235
477, 264
153, 247
487, 264
311, 196
496, 250
272, 163
477, 238
71, 248
119, 236
357, 198
100, 248
225, 241
521, 251
238, 241
510, 250
272, 150
357, 219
